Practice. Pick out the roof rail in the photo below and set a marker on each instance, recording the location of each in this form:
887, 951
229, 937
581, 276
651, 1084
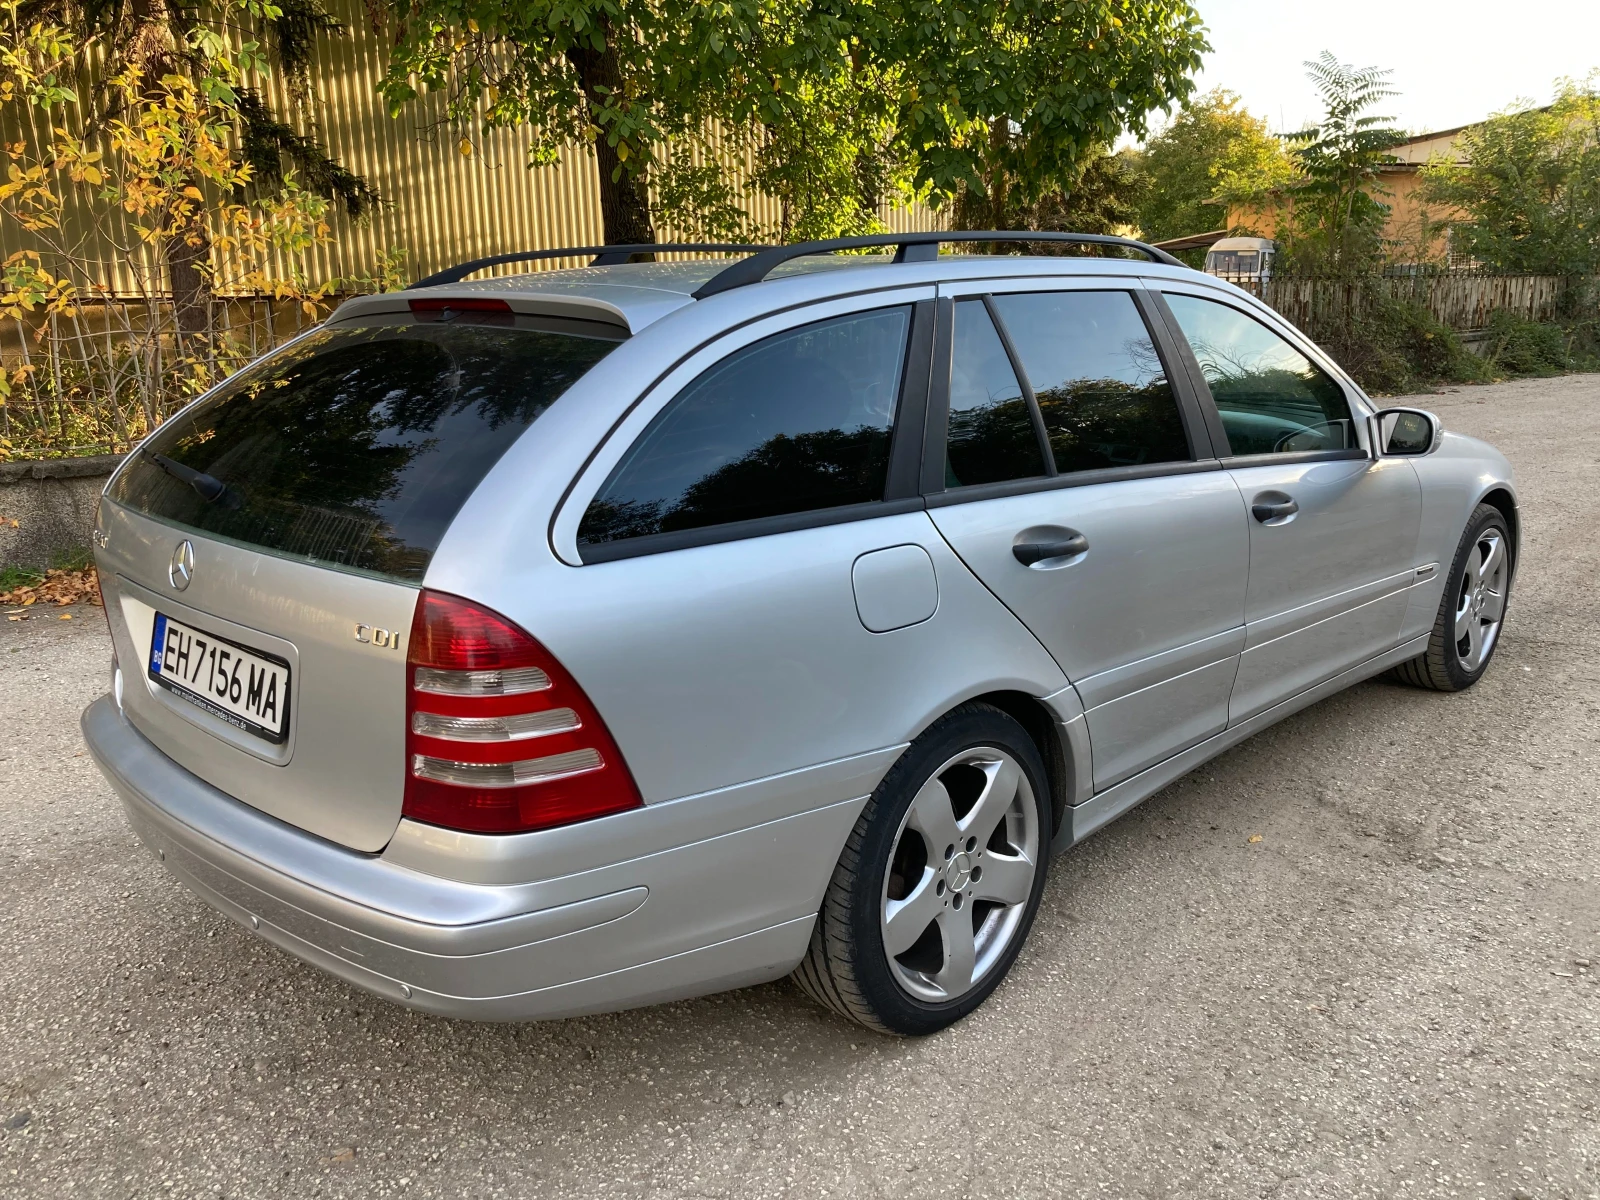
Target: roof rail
910, 247
605, 256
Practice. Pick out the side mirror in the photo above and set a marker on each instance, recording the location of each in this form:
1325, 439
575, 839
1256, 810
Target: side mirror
1403, 431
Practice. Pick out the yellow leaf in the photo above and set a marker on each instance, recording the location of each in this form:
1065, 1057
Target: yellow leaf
92, 175
1254, 838
465, 147
66, 616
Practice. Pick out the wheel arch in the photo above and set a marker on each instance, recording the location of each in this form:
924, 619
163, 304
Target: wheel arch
1500, 497
1041, 725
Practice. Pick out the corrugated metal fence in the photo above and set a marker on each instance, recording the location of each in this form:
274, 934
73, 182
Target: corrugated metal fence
440, 206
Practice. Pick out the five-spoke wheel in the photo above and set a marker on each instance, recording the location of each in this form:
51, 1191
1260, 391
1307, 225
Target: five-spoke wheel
1472, 610
939, 881
960, 874
1481, 599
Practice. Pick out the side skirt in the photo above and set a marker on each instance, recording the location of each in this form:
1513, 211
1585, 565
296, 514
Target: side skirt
1110, 804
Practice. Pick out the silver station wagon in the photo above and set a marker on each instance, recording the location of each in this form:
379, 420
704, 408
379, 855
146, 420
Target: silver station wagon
559, 642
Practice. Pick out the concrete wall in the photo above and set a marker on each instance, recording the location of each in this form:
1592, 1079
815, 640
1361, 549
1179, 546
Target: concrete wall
47, 507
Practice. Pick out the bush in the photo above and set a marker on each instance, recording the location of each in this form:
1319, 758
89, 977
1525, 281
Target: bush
1521, 347
1392, 346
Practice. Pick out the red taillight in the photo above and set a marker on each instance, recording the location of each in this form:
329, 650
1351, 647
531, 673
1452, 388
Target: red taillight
499, 738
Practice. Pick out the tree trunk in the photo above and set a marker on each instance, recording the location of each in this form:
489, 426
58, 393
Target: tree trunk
187, 250
152, 46
624, 194
999, 143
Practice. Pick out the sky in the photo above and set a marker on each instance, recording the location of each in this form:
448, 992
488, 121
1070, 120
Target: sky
1454, 61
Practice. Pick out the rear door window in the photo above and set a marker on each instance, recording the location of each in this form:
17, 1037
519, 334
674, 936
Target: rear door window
796, 422
1101, 386
1272, 399
356, 447
991, 435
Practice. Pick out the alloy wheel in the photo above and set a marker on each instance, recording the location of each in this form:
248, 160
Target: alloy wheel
960, 874
1481, 603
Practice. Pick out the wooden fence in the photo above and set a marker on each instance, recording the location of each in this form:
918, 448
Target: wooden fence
1462, 302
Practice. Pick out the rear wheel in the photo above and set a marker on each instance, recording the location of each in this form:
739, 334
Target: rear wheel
1472, 610
939, 881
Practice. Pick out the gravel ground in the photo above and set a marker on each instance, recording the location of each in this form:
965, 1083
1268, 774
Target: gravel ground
1394, 993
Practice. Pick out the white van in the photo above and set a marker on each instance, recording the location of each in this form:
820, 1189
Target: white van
1242, 259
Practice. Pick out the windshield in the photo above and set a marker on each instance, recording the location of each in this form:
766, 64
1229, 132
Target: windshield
355, 448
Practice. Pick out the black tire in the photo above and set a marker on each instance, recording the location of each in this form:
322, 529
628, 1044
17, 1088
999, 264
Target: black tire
846, 967
1440, 667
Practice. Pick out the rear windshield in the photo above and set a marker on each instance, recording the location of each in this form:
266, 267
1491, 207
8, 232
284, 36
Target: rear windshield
355, 448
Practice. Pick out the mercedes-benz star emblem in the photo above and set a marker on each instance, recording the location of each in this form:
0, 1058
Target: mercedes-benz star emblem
181, 569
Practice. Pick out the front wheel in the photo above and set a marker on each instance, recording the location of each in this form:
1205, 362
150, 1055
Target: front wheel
1472, 610
939, 881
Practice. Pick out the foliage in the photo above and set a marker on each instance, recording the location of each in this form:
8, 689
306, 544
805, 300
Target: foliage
1211, 155
1101, 199
1518, 346
1395, 346
844, 103
70, 579
1529, 186
161, 176
1334, 224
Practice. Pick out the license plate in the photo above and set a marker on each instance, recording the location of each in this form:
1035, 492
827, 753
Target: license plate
249, 689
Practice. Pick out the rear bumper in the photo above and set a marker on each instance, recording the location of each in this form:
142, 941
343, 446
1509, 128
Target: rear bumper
673, 921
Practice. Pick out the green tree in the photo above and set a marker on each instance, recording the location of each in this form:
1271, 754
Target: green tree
1101, 199
1213, 153
842, 99
1529, 186
160, 39
1335, 222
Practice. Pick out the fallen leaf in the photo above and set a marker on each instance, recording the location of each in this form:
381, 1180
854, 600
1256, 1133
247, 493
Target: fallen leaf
57, 587
1254, 838
343, 1155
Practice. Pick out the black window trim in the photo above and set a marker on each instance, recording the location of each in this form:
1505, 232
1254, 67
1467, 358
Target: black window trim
1190, 410
1046, 455
906, 437
1208, 404
1241, 461
1199, 410
1018, 487
905, 453
937, 418
738, 531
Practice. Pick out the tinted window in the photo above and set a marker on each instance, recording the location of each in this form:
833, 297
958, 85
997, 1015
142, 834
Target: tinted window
797, 422
357, 447
1101, 388
1272, 398
991, 433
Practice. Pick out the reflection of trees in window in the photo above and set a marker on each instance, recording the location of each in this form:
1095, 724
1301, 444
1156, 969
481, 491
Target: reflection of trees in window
1096, 423
1262, 405
992, 443
332, 449
787, 473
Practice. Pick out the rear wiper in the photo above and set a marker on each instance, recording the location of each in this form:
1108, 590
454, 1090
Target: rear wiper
211, 488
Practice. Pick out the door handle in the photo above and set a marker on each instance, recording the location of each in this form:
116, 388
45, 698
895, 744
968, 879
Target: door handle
1265, 511
1028, 553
